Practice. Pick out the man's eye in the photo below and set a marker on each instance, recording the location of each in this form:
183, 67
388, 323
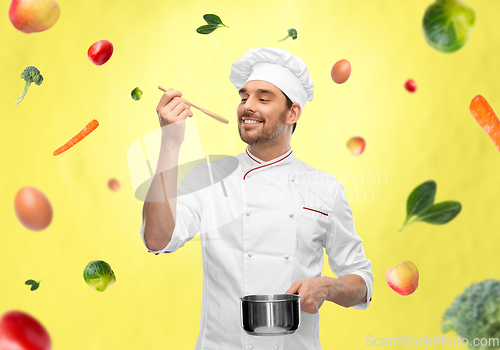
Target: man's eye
243, 99
263, 99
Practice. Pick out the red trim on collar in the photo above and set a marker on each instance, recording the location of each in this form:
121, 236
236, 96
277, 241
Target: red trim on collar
263, 166
251, 156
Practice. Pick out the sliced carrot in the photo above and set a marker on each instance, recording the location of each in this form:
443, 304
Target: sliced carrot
486, 118
78, 137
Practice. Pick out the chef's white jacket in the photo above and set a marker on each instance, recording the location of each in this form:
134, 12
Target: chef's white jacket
262, 228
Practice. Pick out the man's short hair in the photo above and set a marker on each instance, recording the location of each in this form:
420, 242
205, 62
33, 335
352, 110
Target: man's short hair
289, 104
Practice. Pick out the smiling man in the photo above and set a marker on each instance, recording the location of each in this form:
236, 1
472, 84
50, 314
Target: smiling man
290, 212
269, 98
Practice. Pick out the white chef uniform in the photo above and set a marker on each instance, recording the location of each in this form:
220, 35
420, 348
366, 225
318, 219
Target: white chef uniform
262, 229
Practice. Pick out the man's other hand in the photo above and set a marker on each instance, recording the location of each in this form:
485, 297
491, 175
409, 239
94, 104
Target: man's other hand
313, 292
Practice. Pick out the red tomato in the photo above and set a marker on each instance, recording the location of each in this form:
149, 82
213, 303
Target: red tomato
100, 52
410, 85
114, 185
20, 331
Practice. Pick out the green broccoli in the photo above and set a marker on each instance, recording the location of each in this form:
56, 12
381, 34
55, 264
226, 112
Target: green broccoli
291, 33
476, 314
31, 75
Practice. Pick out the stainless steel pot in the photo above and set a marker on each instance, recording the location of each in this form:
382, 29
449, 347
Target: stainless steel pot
268, 315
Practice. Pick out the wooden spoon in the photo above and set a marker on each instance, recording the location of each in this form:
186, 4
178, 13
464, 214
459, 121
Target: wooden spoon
213, 115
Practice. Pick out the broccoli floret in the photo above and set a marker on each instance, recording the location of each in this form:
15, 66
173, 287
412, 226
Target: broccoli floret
31, 75
476, 313
291, 33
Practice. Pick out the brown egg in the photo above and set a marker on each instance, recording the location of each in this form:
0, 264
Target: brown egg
33, 208
341, 71
114, 185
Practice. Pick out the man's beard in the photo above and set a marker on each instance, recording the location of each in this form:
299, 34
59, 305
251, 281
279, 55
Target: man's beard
267, 134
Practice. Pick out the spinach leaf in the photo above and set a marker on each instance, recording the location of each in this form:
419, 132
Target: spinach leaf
440, 213
420, 199
420, 203
34, 284
207, 29
213, 19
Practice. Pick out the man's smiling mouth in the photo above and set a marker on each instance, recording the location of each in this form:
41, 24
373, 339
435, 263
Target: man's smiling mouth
250, 121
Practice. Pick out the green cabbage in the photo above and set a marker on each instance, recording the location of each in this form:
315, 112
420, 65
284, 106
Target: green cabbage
448, 24
98, 275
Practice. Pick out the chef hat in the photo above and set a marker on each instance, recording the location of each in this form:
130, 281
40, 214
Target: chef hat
279, 67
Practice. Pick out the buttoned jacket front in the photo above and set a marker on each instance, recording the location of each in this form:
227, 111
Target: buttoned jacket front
262, 227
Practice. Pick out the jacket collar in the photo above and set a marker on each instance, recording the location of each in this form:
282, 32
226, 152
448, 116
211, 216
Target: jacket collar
251, 163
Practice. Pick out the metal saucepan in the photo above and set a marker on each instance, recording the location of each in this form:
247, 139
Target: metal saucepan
268, 315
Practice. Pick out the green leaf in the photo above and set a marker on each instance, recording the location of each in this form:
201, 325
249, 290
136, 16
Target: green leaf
212, 19
35, 286
207, 29
420, 199
440, 213
29, 282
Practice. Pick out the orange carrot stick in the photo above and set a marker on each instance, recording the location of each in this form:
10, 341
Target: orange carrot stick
484, 115
78, 137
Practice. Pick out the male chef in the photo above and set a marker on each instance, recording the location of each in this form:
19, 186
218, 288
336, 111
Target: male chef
264, 226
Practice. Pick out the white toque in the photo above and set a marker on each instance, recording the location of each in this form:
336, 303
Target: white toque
279, 67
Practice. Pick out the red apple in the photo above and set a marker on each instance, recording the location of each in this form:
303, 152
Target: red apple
356, 145
403, 278
31, 16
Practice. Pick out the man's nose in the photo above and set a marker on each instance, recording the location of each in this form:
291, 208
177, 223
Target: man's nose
249, 105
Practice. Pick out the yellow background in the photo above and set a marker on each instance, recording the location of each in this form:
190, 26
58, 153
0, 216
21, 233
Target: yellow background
155, 302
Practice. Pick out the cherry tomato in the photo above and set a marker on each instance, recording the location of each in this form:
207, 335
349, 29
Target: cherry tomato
20, 331
410, 85
100, 52
114, 185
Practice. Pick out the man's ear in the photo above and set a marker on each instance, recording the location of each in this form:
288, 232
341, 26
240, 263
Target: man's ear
295, 112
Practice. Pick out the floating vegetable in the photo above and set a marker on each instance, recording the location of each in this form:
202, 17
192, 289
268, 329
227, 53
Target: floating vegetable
34, 284
136, 94
21, 331
292, 33
99, 275
475, 314
486, 118
32, 75
91, 126
114, 185
100, 52
410, 85
213, 21
420, 203
447, 24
